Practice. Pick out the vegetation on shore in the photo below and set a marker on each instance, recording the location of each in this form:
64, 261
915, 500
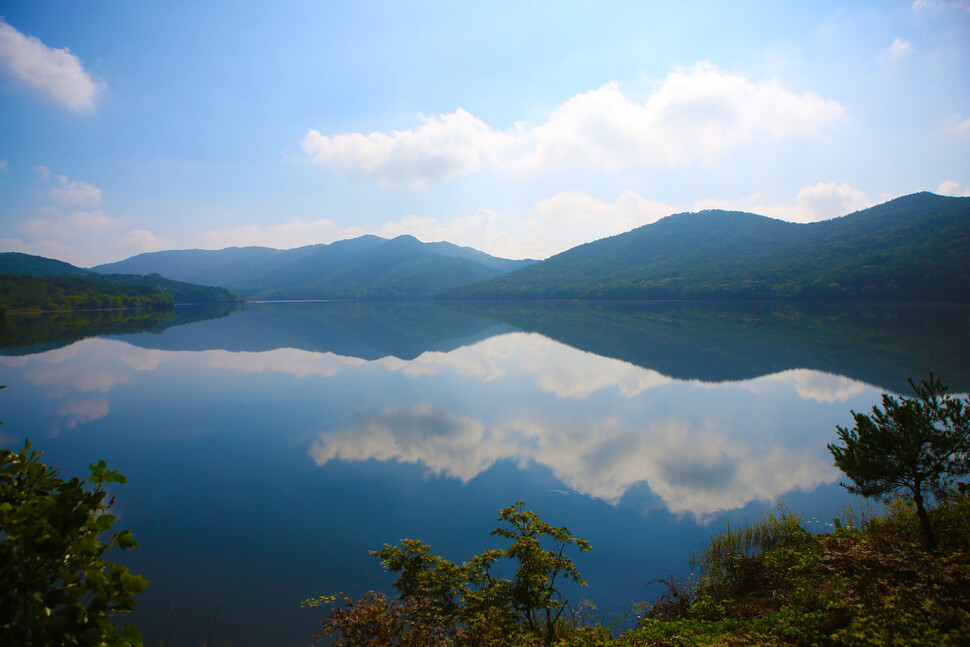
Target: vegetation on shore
35, 284
902, 577
25, 293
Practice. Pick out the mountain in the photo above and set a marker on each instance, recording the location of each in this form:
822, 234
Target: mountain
17, 267
18, 263
367, 267
915, 248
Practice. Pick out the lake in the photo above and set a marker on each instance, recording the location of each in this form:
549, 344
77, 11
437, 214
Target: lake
269, 447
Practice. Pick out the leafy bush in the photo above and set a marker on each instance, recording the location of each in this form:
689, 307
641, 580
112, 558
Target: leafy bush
443, 603
56, 588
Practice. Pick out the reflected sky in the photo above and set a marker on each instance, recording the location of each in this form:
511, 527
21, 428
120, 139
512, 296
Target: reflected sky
602, 426
289, 463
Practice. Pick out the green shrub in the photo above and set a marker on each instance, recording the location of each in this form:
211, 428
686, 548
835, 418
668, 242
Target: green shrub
443, 603
56, 588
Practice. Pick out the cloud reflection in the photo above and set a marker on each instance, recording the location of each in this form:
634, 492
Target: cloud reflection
446, 443
694, 470
814, 385
76, 412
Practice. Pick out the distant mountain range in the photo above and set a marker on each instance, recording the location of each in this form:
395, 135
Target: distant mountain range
911, 249
368, 267
915, 249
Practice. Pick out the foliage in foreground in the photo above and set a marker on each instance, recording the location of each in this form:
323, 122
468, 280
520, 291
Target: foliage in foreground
875, 585
443, 603
869, 582
915, 445
56, 588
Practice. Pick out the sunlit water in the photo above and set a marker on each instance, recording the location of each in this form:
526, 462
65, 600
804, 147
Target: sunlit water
268, 450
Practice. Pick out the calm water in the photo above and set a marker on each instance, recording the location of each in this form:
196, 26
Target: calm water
269, 448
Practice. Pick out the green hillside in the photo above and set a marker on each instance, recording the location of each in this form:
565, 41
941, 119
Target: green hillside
24, 292
37, 283
915, 248
399, 268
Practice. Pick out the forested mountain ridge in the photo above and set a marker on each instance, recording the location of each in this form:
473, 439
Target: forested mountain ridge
38, 283
367, 267
914, 248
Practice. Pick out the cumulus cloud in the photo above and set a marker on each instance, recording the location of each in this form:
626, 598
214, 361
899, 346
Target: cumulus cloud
55, 74
953, 188
899, 49
695, 115
45, 248
564, 220
440, 148
138, 241
42, 172
71, 226
74, 192
288, 235
821, 201
571, 218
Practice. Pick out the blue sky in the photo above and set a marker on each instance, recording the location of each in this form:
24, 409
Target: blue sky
518, 128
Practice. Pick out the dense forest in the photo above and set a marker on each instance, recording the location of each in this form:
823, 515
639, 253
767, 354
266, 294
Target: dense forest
23, 292
911, 249
35, 283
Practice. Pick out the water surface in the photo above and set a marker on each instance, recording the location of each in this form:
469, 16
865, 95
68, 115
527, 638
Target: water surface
269, 448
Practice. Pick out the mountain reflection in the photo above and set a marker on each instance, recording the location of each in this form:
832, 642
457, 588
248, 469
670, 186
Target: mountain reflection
705, 408
881, 345
878, 345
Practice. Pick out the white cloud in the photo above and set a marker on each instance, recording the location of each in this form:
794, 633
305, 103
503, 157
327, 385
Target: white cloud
74, 192
288, 235
821, 201
440, 148
829, 200
899, 49
42, 172
571, 218
694, 116
4, 166
138, 241
941, 5
960, 126
71, 226
56, 74
952, 188
45, 248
